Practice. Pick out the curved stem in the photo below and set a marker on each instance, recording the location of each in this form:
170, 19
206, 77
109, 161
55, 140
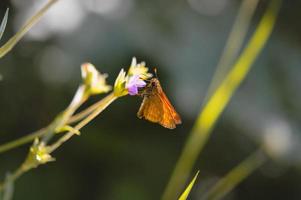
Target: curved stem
28, 25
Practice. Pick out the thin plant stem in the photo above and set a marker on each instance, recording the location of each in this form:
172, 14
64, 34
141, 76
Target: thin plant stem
79, 116
48, 131
8, 190
218, 101
236, 176
28, 25
11, 178
79, 98
23, 140
103, 104
61, 121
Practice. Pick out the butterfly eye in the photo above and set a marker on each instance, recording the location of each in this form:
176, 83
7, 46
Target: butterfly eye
153, 84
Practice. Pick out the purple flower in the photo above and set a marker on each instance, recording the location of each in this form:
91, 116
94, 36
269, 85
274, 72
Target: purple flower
133, 84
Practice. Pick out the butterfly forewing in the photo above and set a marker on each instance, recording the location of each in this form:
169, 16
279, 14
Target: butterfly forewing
171, 110
157, 108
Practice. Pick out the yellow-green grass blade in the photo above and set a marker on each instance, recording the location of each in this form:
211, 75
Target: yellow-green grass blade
234, 43
219, 100
189, 187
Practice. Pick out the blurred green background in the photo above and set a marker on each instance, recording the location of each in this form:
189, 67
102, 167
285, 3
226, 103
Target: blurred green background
119, 156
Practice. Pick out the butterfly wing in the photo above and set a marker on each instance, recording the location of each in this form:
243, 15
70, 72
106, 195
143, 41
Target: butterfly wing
151, 109
157, 108
170, 117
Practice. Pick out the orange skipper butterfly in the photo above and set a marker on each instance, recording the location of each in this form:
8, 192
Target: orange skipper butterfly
156, 107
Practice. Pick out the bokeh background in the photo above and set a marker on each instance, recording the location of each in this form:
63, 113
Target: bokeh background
118, 156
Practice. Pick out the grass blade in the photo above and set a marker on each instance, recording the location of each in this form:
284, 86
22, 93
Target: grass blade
219, 100
189, 187
3, 23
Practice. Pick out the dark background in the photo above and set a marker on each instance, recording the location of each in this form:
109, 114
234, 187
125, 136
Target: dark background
119, 156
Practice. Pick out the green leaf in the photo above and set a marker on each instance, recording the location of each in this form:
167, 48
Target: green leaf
189, 187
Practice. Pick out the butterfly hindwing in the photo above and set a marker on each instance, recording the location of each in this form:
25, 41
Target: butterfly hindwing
151, 109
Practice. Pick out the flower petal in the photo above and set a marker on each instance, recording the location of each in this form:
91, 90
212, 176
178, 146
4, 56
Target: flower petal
94, 81
120, 82
133, 91
133, 84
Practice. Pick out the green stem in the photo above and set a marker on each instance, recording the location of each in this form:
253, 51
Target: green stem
28, 25
12, 177
47, 132
79, 116
79, 98
236, 176
22, 140
103, 104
